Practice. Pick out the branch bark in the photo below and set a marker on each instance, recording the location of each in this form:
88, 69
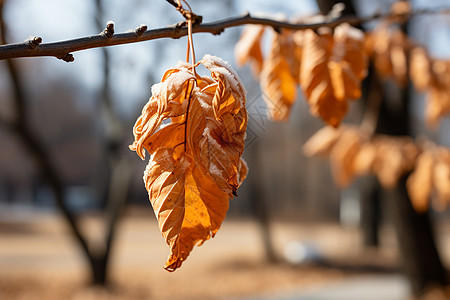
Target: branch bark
63, 49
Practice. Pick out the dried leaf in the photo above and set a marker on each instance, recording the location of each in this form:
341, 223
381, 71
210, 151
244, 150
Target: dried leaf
441, 176
279, 77
395, 157
420, 69
342, 157
195, 164
348, 63
321, 143
248, 48
387, 47
437, 106
315, 79
331, 71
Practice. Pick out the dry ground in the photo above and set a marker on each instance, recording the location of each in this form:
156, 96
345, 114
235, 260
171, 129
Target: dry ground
40, 260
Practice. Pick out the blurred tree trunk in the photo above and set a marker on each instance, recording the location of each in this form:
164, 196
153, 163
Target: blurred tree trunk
21, 128
258, 201
421, 262
370, 204
118, 173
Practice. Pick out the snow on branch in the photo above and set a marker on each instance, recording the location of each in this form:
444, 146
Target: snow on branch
63, 50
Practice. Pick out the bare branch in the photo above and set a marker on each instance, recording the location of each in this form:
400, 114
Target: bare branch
63, 49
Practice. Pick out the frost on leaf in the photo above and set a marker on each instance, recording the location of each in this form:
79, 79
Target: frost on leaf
195, 165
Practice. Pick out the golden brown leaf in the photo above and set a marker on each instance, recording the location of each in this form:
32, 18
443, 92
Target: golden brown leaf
420, 68
315, 79
343, 155
441, 176
278, 82
437, 106
248, 48
195, 164
348, 63
321, 143
387, 47
331, 71
395, 157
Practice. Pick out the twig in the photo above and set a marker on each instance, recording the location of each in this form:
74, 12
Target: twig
63, 49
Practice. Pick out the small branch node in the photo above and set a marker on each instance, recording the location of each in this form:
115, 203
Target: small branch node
109, 29
140, 30
68, 57
34, 41
277, 29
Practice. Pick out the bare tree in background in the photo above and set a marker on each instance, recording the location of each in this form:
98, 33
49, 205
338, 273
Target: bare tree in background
117, 175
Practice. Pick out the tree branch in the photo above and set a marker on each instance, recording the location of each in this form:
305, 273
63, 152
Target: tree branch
63, 49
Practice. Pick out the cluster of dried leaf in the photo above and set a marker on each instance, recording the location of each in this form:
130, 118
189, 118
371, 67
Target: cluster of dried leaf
353, 152
433, 77
393, 53
195, 164
328, 66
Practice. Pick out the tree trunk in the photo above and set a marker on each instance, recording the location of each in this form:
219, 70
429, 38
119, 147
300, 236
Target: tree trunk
420, 258
258, 201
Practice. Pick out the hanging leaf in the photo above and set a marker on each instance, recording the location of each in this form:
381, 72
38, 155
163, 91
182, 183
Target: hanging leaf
248, 48
388, 49
279, 76
315, 78
196, 163
348, 63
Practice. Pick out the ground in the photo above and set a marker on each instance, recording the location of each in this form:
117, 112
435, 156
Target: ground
40, 260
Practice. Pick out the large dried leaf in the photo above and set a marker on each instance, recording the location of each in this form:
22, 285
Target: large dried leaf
195, 164
279, 77
248, 48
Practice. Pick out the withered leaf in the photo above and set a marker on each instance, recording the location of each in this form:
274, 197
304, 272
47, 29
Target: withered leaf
196, 163
279, 76
248, 48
